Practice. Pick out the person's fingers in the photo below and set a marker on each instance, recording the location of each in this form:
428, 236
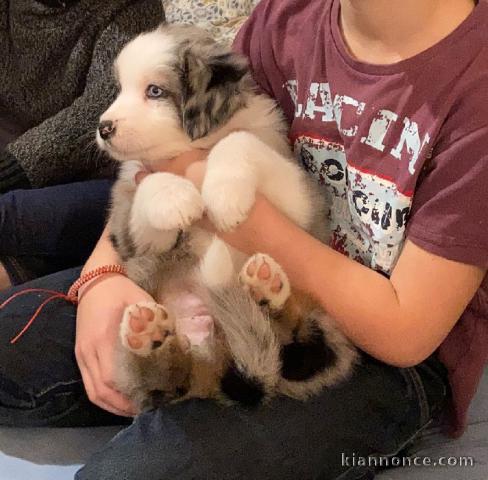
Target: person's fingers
206, 224
178, 165
106, 372
195, 172
97, 392
110, 396
92, 393
190, 164
140, 176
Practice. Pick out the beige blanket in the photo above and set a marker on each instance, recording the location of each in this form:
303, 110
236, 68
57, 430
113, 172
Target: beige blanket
222, 18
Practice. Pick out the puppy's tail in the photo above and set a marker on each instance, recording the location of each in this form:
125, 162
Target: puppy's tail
253, 374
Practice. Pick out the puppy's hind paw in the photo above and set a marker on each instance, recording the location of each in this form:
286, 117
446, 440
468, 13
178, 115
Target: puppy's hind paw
266, 281
145, 327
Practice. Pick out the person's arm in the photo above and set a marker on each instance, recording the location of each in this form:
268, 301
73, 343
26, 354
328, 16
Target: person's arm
102, 303
400, 320
61, 149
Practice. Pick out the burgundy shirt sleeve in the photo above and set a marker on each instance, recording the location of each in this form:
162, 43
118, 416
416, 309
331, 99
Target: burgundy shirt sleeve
450, 207
250, 42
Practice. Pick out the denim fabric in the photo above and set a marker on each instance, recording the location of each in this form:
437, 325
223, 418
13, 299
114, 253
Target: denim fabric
40, 384
47, 230
379, 410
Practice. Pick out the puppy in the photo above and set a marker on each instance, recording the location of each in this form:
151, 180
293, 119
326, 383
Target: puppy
222, 326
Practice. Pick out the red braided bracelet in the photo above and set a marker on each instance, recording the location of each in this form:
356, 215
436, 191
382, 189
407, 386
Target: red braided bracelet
91, 275
72, 295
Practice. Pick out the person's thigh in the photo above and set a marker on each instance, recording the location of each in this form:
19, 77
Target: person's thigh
50, 229
40, 384
379, 410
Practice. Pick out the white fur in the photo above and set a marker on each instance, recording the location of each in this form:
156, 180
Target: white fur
217, 267
230, 187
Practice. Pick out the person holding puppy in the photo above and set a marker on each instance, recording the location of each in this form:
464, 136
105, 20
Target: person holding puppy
387, 111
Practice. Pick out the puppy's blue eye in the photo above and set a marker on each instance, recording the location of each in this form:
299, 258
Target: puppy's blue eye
153, 91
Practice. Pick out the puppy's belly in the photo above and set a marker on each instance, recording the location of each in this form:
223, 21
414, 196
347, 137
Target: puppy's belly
183, 303
191, 317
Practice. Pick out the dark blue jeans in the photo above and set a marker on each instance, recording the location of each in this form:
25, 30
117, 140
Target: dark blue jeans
46, 230
379, 410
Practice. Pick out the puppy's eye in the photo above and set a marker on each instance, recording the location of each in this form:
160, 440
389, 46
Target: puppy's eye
153, 91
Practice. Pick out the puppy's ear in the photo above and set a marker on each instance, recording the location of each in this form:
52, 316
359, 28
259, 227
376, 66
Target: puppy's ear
213, 90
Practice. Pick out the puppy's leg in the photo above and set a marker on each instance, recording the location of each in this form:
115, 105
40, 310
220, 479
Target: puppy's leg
153, 363
313, 353
241, 164
164, 205
229, 186
269, 286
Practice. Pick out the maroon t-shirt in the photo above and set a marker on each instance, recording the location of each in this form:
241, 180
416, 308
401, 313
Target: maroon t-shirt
401, 150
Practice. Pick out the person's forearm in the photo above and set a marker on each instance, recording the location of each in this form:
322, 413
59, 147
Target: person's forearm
334, 280
378, 315
103, 254
371, 317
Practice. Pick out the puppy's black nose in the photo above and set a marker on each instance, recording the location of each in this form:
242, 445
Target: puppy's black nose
106, 129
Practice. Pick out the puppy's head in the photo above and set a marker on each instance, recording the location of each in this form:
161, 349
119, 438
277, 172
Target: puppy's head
176, 86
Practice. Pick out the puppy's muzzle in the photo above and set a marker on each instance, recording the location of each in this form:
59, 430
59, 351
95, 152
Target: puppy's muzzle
106, 129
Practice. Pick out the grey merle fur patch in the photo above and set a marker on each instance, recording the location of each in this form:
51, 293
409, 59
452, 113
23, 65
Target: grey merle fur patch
214, 86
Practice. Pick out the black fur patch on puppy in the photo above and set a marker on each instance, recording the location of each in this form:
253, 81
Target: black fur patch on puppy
113, 241
302, 360
244, 390
226, 68
123, 244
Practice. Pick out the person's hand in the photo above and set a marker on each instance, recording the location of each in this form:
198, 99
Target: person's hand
100, 310
189, 164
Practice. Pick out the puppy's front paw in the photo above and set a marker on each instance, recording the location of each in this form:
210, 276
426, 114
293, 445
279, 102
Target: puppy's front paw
145, 327
228, 202
167, 202
266, 281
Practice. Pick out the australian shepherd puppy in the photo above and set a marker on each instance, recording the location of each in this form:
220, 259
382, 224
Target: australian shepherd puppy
221, 326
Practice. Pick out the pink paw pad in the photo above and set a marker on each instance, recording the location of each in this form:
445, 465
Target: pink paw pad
145, 327
265, 280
